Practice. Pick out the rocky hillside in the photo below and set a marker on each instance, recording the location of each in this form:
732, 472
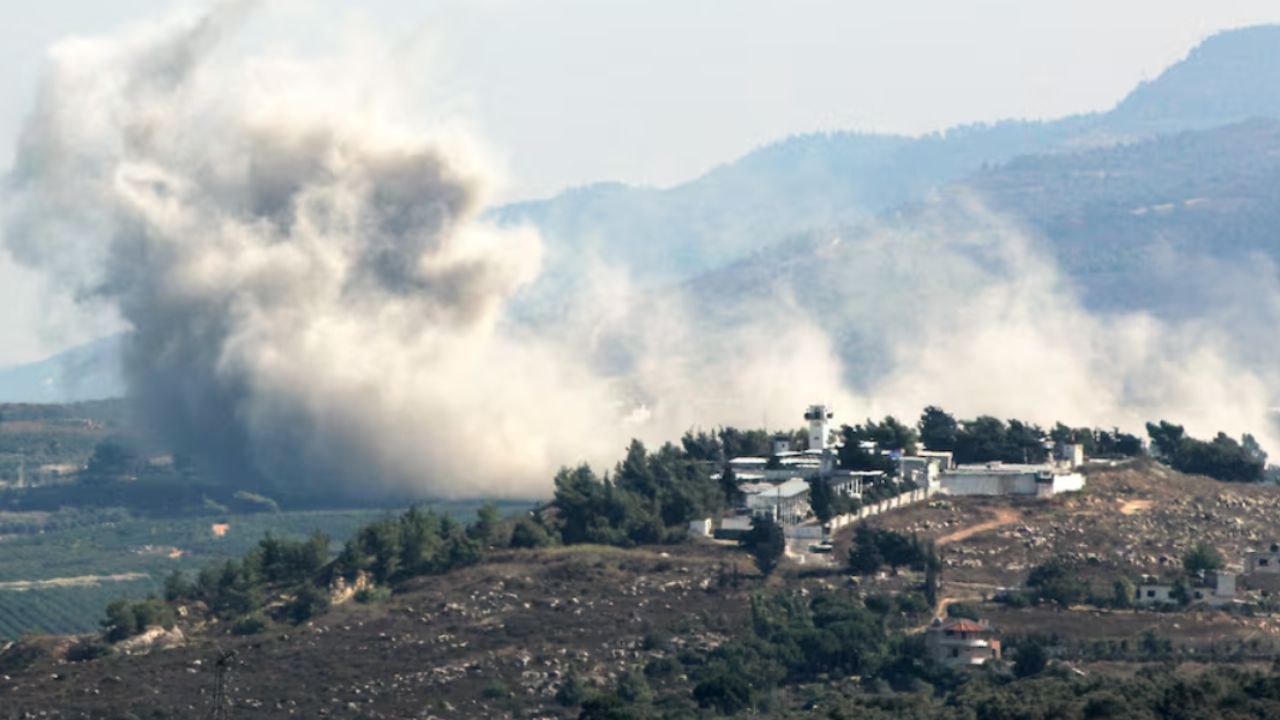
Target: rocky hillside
497, 640
523, 633
1135, 519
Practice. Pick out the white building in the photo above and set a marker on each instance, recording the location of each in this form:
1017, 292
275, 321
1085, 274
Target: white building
1153, 592
1263, 561
819, 418
851, 482
781, 444
997, 478
1069, 454
1215, 589
786, 502
925, 468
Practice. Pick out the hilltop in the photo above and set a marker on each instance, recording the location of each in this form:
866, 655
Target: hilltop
505, 637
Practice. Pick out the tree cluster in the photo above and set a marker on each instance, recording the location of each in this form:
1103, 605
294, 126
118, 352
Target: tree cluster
796, 640
727, 443
1057, 583
766, 542
888, 436
875, 548
297, 574
1222, 458
650, 498
416, 543
125, 619
989, 439
1099, 443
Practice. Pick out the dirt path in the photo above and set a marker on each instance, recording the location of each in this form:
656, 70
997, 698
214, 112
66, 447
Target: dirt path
1004, 516
1133, 507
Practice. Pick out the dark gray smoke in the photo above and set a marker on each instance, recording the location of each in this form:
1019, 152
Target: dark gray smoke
312, 298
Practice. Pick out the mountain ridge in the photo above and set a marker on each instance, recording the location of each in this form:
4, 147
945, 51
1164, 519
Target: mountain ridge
824, 180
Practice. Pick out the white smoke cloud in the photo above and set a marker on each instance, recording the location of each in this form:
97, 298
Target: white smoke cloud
312, 297
316, 302
975, 316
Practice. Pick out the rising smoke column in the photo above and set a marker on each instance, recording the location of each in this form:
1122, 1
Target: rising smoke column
315, 303
312, 298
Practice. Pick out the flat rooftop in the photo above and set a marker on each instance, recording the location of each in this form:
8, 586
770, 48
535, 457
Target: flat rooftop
1010, 468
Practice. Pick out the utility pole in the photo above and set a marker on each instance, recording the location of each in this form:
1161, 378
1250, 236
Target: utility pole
221, 699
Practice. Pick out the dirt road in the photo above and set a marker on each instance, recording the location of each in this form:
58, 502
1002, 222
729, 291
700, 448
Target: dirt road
1134, 507
1004, 516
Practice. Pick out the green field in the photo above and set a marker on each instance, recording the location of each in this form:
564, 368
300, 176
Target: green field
144, 546
62, 611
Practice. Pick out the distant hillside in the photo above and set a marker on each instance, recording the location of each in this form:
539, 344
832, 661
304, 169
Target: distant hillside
809, 181
829, 180
1229, 77
1149, 225
87, 372
1136, 224
1182, 227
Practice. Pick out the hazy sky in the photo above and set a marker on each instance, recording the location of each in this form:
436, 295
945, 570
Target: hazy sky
657, 91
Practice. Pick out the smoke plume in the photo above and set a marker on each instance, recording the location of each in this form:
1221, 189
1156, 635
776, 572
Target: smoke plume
959, 307
316, 301
311, 295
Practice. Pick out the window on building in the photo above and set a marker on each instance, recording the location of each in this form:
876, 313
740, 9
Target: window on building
1151, 593
955, 652
1262, 562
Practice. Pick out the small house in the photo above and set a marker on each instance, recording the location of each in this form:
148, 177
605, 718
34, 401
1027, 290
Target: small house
960, 643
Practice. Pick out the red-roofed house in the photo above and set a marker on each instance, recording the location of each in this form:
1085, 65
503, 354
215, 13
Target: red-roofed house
962, 642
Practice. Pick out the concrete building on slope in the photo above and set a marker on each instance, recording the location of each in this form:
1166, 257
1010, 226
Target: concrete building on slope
778, 486
786, 502
961, 643
995, 478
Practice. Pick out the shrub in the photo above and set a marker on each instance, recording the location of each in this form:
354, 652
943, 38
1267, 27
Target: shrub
496, 689
1202, 557
529, 534
120, 622
1031, 660
308, 602
1056, 583
633, 689
963, 610
656, 640
725, 691
662, 667
373, 595
1122, 593
153, 612
572, 692
766, 543
88, 649
250, 625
